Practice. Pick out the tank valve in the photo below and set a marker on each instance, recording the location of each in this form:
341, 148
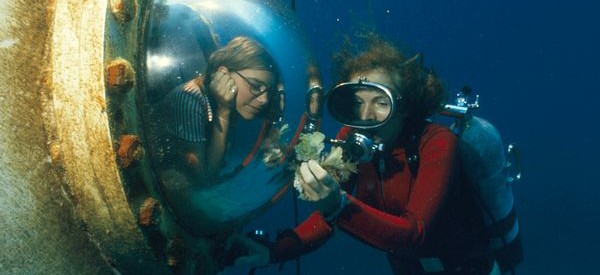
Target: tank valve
462, 106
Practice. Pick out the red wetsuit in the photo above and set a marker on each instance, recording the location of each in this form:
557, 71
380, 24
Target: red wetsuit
410, 218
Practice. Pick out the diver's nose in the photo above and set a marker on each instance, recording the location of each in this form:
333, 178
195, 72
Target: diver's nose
366, 113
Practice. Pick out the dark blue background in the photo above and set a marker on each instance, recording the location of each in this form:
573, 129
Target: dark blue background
535, 65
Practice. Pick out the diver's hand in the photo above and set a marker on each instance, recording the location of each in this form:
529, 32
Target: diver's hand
319, 187
248, 252
223, 89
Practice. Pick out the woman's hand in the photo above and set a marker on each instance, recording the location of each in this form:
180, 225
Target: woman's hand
320, 188
193, 85
223, 89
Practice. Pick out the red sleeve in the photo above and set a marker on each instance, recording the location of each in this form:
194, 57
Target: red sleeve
313, 230
306, 237
389, 232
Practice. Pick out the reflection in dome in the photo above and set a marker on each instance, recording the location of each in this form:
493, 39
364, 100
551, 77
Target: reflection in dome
181, 110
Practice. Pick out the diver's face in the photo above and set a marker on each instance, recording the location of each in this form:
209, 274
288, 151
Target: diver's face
371, 105
375, 105
254, 87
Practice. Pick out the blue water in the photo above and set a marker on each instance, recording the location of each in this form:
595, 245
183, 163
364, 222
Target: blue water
535, 64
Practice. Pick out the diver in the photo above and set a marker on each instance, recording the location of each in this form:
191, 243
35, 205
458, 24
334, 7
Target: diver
425, 221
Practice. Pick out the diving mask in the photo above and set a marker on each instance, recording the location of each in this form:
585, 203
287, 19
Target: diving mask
362, 104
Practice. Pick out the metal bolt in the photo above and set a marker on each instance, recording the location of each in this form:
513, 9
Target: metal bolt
120, 75
123, 10
149, 212
130, 150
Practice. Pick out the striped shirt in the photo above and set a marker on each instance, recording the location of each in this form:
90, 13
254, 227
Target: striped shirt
187, 114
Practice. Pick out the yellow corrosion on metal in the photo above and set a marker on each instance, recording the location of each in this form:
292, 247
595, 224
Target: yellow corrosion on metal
64, 207
76, 113
40, 232
64, 210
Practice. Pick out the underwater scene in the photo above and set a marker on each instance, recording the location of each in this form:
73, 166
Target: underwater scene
299, 137
527, 61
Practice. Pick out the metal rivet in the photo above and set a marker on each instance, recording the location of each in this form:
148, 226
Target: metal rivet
130, 150
123, 10
120, 75
149, 212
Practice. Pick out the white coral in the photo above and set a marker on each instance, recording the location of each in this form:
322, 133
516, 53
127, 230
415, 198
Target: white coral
310, 148
298, 186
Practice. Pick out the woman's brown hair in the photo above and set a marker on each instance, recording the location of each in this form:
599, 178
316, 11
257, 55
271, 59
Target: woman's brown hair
421, 91
239, 54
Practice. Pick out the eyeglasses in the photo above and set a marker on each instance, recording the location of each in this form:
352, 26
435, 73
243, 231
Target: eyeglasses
257, 87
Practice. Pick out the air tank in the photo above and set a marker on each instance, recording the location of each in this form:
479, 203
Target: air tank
490, 170
483, 157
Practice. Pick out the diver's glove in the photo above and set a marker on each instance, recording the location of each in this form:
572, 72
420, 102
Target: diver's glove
246, 251
287, 247
256, 250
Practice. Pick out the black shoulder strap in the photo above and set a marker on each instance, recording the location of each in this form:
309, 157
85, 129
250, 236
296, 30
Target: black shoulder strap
412, 147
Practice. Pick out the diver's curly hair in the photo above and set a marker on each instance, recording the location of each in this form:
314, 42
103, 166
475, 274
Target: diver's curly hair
421, 91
